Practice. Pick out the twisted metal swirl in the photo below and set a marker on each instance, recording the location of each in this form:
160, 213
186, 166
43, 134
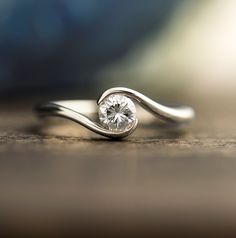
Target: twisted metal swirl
80, 110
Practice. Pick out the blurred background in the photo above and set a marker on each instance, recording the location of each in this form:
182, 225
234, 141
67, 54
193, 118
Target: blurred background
78, 48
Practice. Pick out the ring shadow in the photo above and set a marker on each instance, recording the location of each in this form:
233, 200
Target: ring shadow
153, 131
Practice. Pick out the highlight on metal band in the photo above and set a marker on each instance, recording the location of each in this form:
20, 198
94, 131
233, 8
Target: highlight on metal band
115, 113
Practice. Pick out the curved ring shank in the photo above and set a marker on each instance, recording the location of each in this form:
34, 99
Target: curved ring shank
173, 114
79, 112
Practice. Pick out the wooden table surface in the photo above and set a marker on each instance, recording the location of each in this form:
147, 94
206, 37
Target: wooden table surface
159, 179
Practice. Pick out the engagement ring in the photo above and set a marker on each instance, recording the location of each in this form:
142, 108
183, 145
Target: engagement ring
116, 113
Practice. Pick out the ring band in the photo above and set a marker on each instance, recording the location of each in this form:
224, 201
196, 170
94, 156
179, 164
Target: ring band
116, 111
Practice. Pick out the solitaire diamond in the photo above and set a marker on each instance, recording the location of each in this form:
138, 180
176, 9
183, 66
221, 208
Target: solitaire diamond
117, 113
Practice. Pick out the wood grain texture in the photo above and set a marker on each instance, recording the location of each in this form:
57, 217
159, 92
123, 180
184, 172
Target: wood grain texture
65, 176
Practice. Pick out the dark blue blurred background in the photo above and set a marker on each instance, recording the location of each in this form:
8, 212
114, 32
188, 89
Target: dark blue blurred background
51, 46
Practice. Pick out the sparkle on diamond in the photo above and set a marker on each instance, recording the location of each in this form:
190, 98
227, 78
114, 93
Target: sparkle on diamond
117, 113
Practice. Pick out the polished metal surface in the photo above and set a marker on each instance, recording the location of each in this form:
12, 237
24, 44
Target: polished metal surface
80, 111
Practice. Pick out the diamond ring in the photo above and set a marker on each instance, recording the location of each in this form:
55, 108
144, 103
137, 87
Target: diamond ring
116, 113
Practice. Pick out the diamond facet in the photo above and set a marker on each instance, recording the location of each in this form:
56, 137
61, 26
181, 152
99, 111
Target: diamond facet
117, 112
